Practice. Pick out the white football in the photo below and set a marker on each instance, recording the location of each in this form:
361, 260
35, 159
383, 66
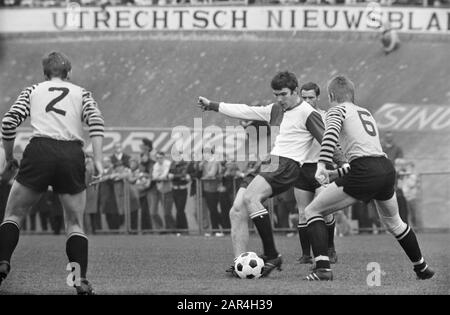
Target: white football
248, 265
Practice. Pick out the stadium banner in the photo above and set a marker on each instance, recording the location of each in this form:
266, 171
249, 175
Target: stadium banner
408, 117
367, 18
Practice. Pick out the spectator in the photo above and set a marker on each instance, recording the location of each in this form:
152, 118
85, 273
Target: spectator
56, 211
141, 181
146, 165
410, 184
195, 172
92, 215
392, 150
160, 175
122, 178
211, 170
180, 180
120, 158
107, 201
389, 38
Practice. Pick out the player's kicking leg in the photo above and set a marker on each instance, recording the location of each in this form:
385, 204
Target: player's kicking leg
331, 199
77, 241
388, 211
258, 191
20, 201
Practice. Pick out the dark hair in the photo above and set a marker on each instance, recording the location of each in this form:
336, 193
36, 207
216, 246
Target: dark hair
311, 86
284, 79
160, 153
56, 64
341, 89
148, 143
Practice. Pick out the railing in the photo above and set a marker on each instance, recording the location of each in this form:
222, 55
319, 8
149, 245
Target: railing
432, 212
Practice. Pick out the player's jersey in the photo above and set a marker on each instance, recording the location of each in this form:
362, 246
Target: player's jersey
356, 131
57, 109
301, 128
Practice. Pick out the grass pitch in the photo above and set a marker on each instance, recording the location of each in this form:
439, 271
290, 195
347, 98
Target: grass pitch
171, 265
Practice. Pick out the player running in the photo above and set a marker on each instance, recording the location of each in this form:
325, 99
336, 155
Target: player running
371, 177
294, 146
54, 157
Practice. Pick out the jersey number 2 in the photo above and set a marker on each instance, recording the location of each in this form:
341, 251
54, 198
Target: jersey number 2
51, 106
367, 124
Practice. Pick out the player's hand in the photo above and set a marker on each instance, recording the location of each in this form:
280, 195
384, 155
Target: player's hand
99, 167
332, 175
322, 174
203, 103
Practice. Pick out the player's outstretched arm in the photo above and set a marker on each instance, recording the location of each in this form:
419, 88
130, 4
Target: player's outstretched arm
239, 111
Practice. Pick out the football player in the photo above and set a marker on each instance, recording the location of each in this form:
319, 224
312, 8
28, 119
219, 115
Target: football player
54, 157
371, 177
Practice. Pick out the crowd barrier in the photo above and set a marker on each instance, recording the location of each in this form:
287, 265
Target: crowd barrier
432, 214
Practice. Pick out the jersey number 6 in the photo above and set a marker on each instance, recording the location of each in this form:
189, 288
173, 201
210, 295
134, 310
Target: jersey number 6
51, 105
367, 124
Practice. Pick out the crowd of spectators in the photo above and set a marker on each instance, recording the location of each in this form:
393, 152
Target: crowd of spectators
103, 3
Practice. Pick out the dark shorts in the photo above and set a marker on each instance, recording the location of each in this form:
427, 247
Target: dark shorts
306, 179
247, 180
369, 178
284, 175
48, 162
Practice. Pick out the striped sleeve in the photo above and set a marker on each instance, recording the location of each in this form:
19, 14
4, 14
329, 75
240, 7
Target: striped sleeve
92, 116
334, 119
18, 112
343, 170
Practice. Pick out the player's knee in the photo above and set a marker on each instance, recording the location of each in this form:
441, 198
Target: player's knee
247, 200
238, 212
329, 219
394, 224
301, 215
310, 212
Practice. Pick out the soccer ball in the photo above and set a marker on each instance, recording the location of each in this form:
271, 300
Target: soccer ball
248, 265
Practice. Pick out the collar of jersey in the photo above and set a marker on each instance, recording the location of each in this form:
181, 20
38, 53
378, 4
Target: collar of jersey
297, 105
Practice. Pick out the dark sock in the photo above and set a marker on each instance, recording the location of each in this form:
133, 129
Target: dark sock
409, 243
330, 227
261, 219
304, 239
318, 236
77, 251
9, 237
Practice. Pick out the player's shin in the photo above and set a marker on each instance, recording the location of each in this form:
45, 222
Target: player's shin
331, 226
408, 241
9, 237
304, 239
239, 231
261, 219
77, 251
318, 236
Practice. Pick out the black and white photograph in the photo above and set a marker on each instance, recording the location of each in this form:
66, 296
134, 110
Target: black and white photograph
225, 153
